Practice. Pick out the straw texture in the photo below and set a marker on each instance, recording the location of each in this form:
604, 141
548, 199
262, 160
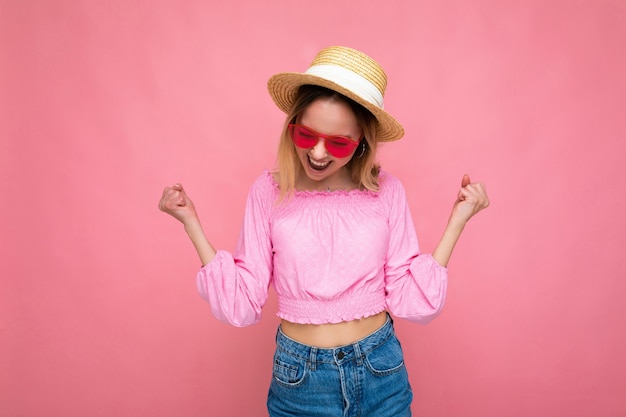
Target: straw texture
339, 61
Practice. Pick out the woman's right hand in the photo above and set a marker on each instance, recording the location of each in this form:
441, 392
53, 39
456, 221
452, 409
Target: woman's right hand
176, 203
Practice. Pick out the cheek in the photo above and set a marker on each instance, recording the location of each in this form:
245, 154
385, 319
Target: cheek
301, 155
343, 161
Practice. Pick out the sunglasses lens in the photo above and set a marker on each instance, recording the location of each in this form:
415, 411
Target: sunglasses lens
340, 147
302, 137
337, 146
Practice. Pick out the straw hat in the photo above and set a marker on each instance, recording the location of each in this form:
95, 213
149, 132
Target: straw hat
348, 72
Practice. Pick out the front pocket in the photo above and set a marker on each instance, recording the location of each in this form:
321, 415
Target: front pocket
288, 370
385, 359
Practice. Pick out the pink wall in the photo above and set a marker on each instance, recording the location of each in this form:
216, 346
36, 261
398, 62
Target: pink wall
104, 103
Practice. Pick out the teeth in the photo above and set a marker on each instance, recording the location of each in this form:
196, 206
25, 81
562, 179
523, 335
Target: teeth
318, 164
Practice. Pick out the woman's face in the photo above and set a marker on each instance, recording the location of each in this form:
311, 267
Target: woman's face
328, 116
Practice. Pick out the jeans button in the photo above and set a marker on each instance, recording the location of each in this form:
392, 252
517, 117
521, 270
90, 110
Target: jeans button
340, 355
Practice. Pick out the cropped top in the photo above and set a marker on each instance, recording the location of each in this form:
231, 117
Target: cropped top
330, 256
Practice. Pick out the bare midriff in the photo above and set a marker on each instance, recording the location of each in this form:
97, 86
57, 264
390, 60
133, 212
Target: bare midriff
335, 334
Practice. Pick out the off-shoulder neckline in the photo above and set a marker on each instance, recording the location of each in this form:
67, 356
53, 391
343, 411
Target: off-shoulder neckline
308, 193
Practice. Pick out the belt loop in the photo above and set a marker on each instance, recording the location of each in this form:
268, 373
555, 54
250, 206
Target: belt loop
312, 358
357, 354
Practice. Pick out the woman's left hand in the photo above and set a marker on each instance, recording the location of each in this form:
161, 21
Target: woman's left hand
471, 199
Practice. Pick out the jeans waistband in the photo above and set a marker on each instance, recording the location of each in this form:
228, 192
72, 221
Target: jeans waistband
356, 350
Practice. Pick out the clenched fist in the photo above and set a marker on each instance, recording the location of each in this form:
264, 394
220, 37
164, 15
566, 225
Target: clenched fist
471, 199
176, 203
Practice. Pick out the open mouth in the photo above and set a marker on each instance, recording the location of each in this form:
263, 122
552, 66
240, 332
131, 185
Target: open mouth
317, 165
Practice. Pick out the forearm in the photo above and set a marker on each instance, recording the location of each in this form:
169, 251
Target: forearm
471, 199
205, 250
451, 234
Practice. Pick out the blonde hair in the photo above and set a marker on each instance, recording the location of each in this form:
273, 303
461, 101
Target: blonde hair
363, 168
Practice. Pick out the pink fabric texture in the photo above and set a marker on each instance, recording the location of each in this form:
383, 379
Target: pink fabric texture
331, 257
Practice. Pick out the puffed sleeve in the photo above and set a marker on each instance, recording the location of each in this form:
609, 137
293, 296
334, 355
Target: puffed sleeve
236, 285
415, 283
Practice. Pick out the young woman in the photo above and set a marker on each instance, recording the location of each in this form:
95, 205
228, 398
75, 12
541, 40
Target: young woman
333, 234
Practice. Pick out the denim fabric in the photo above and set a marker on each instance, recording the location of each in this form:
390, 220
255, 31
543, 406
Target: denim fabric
366, 378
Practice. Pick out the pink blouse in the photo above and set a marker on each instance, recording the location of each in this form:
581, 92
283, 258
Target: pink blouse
331, 257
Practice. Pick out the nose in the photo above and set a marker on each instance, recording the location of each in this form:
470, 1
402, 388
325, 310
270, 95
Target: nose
319, 150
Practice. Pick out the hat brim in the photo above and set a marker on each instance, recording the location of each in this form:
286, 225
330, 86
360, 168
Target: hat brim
283, 88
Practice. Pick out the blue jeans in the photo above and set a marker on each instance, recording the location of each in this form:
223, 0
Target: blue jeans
366, 378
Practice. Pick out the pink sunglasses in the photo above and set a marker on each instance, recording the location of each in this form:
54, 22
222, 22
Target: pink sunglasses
305, 137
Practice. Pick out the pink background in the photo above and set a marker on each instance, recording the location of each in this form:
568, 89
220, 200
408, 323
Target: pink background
104, 103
